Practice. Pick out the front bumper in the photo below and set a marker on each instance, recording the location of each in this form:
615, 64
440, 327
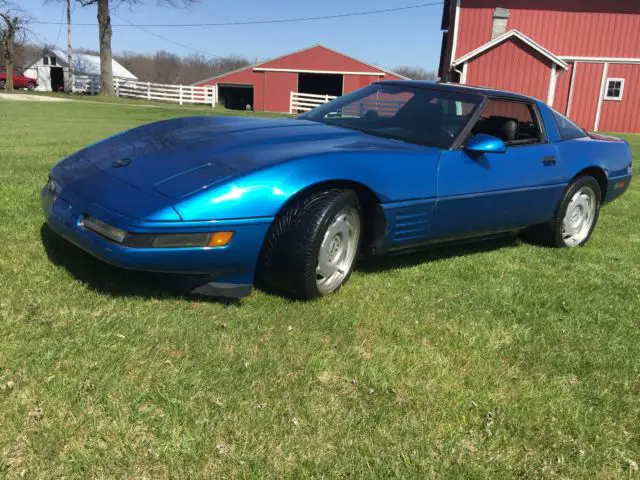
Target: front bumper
228, 270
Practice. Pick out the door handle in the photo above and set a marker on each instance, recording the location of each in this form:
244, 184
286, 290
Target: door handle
549, 161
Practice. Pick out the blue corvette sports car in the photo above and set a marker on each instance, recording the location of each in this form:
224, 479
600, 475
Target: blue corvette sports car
292, 203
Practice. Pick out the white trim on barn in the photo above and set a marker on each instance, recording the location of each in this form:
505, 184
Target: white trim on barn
506, 36
463, 77
551, 94
572, 58
328, 72
571, 81
603, 82
454, 42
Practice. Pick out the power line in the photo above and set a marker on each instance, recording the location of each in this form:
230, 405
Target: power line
61, 23
139, 27
260, 22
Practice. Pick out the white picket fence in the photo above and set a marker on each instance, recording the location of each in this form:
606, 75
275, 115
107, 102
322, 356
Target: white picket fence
86, 84
303, 102
181, 94
206, 95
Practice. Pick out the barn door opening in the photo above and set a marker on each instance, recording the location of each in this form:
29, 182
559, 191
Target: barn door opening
236, 97
320, 83
57, 79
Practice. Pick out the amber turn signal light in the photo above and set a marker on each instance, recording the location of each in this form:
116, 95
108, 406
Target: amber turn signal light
220, 239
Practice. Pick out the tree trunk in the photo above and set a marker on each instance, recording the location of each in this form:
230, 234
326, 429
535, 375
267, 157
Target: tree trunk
9, 54
106, 62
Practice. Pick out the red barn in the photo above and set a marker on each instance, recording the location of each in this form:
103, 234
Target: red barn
318, 72
580, 56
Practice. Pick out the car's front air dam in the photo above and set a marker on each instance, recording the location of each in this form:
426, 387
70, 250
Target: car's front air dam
217, 271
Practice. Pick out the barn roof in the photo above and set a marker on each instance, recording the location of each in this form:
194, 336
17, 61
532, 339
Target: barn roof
506, 36
85, 64
281, 63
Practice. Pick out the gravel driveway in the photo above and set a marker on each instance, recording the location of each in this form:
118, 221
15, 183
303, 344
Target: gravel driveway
30, 98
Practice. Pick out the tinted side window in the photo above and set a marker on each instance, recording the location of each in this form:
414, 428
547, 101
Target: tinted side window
515, 123
418, 115
568, 130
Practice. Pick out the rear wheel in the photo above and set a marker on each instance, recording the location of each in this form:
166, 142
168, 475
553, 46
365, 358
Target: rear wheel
3, 84
311, 249
575, 218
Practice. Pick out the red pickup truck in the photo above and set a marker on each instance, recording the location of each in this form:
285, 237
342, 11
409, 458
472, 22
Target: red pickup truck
19, 80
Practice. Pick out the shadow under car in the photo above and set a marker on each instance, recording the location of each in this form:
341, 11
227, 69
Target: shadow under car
118, 282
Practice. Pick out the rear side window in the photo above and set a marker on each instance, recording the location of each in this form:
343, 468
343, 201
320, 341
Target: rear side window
568, 130
515, 123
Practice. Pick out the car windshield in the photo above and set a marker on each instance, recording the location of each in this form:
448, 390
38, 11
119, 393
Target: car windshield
424, 116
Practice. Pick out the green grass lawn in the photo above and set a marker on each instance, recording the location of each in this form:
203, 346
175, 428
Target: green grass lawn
502, 360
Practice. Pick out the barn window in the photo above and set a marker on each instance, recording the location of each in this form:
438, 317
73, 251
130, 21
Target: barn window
45, 60
53, 61
615, 89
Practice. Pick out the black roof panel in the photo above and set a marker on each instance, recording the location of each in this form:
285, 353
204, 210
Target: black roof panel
456, 87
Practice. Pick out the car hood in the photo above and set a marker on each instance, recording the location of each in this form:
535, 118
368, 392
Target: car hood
178, 157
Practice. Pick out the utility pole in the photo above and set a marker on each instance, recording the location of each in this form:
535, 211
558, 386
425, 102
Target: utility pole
69, 86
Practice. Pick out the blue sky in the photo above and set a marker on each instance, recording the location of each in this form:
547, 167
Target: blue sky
409, 37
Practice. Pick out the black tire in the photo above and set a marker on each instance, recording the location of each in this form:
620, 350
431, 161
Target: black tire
551, 234
289, 256
3, 84
31, 87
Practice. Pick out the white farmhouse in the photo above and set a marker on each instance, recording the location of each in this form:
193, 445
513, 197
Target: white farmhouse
51, 69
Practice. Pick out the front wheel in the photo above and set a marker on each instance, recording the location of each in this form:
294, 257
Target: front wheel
3, 84
575, 218
311, 248
31, 87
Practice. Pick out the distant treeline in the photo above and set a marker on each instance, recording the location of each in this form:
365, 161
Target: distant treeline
168, 68
23, 54
415, 73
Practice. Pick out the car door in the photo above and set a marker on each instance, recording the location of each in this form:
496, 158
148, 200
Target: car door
493, 192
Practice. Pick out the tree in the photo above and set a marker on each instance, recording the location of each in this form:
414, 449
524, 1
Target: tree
416, 73
13, 22
105, 32
22, 52
165, 67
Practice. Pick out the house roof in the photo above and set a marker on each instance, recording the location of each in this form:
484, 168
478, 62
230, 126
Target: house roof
85, 64
262, 65
506, 36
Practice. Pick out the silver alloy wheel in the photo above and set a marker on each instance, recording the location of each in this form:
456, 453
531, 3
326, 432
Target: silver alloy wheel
338, 250
579, 217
